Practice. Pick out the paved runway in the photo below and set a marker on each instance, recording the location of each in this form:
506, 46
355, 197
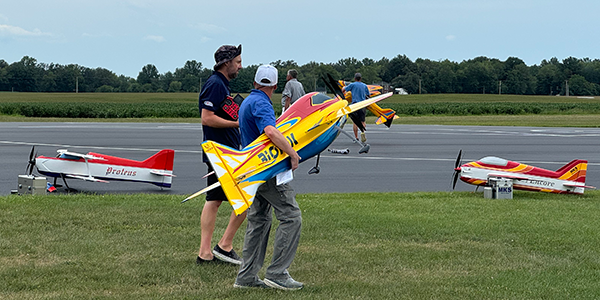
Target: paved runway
404, 158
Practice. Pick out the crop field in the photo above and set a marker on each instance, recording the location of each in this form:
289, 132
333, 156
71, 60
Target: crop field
353, 246
185, 106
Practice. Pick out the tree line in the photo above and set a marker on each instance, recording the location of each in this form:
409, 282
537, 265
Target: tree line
574, 76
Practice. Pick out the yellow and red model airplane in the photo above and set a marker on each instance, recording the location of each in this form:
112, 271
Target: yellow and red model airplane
569, 179
384, 115
310, 126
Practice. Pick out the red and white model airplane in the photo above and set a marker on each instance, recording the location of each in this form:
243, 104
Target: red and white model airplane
569, 179
157, 170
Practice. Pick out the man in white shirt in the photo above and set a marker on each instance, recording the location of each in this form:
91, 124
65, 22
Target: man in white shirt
292, 91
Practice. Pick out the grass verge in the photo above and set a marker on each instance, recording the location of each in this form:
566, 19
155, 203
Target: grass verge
365, 245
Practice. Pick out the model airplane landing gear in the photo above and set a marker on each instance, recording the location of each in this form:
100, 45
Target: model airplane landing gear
56, 184
315, 169
68, 189
364, 146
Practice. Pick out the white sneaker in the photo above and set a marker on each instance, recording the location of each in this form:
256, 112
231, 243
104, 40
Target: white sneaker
289, 284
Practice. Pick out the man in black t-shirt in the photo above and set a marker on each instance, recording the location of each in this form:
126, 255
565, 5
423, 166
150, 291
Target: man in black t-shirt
219, 124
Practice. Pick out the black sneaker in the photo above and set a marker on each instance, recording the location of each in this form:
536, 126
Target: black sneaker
201, 261
230, 257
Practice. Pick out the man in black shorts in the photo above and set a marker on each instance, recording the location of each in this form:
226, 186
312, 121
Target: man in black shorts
219, 124
360, 92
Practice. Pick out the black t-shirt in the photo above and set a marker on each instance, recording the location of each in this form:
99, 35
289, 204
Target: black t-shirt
214, 91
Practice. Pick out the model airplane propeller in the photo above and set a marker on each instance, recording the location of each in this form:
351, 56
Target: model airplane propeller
310, 125
95, 167
569, 179
31, 161
456, 169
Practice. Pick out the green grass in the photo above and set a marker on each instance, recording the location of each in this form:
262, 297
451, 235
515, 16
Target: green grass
353, 246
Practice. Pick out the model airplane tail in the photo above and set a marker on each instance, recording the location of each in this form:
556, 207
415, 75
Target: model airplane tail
162, 160
574, 171
384, 115
241, 172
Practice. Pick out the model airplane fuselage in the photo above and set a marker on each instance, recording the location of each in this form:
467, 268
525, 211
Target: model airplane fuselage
157, 170
568, 179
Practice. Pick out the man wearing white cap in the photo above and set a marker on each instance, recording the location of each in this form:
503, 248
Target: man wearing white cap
256, 116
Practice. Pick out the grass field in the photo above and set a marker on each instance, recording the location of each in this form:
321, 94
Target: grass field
353, 246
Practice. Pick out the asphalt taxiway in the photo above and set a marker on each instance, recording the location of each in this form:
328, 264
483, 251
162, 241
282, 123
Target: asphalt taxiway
404, 158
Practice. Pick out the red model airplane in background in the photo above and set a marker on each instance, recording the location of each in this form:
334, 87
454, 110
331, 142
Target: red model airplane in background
96, 167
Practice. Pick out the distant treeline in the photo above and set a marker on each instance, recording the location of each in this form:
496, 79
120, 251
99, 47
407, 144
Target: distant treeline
579, 77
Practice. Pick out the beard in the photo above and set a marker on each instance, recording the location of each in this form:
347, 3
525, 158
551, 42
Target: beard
232, 71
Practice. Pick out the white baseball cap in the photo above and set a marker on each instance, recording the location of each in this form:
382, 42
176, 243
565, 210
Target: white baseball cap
266, 75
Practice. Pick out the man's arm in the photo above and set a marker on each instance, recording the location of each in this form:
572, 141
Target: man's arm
282, 143
288, 101
209, 118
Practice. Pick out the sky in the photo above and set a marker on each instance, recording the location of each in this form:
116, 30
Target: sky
125, 35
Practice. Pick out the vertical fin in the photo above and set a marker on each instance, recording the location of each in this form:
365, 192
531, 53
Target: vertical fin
576, 171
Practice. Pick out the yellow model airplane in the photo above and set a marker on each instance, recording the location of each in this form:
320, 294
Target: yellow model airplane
310, 126
384, 115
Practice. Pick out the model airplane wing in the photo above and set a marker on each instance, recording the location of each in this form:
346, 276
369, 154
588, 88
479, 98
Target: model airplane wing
508, 176
86, 178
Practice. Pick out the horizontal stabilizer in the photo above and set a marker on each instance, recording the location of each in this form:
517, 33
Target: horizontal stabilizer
384, 115
202, 191
574, 184
160, 173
